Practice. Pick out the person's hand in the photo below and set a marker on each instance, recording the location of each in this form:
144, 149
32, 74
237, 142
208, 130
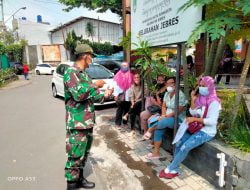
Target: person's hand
116, 98
193, 95
108, 93
132, 105
99, 83
190, 120
162, 117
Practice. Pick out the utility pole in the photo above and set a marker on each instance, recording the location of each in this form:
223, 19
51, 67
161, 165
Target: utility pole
98, 29
3, 25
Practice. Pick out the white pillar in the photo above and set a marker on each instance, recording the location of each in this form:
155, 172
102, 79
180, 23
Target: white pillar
39, 54
27, 55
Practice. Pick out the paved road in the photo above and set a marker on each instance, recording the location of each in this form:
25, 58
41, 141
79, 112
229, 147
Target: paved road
32, 138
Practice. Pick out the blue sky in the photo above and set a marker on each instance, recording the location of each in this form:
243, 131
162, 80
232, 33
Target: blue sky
51, 11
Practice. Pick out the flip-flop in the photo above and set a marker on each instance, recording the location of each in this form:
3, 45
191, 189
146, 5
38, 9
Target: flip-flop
150, 146
150, 156
147, 135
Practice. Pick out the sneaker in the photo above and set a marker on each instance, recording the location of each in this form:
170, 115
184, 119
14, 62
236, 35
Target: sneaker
167, 175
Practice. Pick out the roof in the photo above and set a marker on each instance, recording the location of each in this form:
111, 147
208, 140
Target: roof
78, 19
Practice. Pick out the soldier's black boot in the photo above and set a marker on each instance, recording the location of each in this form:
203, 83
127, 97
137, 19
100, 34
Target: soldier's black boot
72, 185
84, 182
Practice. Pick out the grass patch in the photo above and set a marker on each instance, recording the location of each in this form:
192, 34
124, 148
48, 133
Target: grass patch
238, 134
7, 76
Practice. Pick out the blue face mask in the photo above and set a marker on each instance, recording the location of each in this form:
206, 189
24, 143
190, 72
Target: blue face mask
203, 91
124, 69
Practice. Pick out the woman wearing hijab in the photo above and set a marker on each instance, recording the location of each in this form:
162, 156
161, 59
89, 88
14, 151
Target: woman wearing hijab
123, 81
204, 109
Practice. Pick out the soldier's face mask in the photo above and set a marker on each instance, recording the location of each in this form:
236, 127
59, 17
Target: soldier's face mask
87, 60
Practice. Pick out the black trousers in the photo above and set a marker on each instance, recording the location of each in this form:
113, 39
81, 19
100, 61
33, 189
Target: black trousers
136, 110
226, 70
122, 109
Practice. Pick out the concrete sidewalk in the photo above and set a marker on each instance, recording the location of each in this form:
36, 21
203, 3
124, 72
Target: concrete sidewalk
123, 158
18, 83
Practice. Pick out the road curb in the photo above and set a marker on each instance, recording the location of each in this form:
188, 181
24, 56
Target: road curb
18, 84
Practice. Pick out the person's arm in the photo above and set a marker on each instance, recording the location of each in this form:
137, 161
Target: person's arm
132, 97
163, 109
212, 115
80, 90
180, 109
158, 100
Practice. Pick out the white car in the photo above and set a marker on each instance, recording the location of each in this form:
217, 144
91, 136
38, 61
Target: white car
95, 71
44, 68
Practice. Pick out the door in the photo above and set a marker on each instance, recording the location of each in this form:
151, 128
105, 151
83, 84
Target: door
58, 80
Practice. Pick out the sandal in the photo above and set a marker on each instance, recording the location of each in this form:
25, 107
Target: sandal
147, 135
150, 146
150, 156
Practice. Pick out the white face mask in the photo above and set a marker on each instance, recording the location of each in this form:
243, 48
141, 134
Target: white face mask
203, 91
170, 89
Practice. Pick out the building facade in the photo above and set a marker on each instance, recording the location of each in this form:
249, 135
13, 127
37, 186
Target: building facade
35, 33
104, 31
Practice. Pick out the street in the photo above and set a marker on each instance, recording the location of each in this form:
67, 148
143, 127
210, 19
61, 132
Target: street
32, 138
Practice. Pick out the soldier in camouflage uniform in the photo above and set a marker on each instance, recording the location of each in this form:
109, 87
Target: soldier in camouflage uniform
80, 95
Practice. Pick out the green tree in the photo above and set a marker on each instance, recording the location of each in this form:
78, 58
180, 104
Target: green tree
90, 31
7, 37
70, 43
223, 18
114, 6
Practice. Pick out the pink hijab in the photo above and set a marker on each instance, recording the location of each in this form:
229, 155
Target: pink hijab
212, 96
124, 80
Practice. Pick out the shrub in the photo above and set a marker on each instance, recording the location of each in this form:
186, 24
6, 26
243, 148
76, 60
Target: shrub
5, 74
238, 134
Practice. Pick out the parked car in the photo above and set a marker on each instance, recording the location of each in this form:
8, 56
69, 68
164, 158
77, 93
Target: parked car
18, 67
112, 65
45, 68
95, 71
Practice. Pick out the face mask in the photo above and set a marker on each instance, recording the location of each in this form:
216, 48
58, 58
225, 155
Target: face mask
124, 69
170, 89
203, 91
160, 85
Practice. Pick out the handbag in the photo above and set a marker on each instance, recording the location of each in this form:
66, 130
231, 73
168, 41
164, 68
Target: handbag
154, 109
120, 98
195, 126
153, 120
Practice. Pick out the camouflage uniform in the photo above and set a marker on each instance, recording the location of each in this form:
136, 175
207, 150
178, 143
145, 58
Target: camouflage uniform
80, 94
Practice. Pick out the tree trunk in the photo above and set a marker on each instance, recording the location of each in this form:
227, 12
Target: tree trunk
218, 56
186, 72
211, 57
241, 85
206, 53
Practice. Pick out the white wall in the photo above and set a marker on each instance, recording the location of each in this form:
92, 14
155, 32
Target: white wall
109, 32
34, 33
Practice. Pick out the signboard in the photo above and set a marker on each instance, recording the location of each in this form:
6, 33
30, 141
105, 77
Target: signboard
160, 23
51, 53
238, 46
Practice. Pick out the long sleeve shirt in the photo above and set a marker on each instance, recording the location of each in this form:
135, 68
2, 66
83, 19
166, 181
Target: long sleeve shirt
211, 120
135, 93
80, 95
118, 90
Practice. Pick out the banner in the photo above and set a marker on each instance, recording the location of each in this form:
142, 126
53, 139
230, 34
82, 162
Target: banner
160, 23
51, 53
